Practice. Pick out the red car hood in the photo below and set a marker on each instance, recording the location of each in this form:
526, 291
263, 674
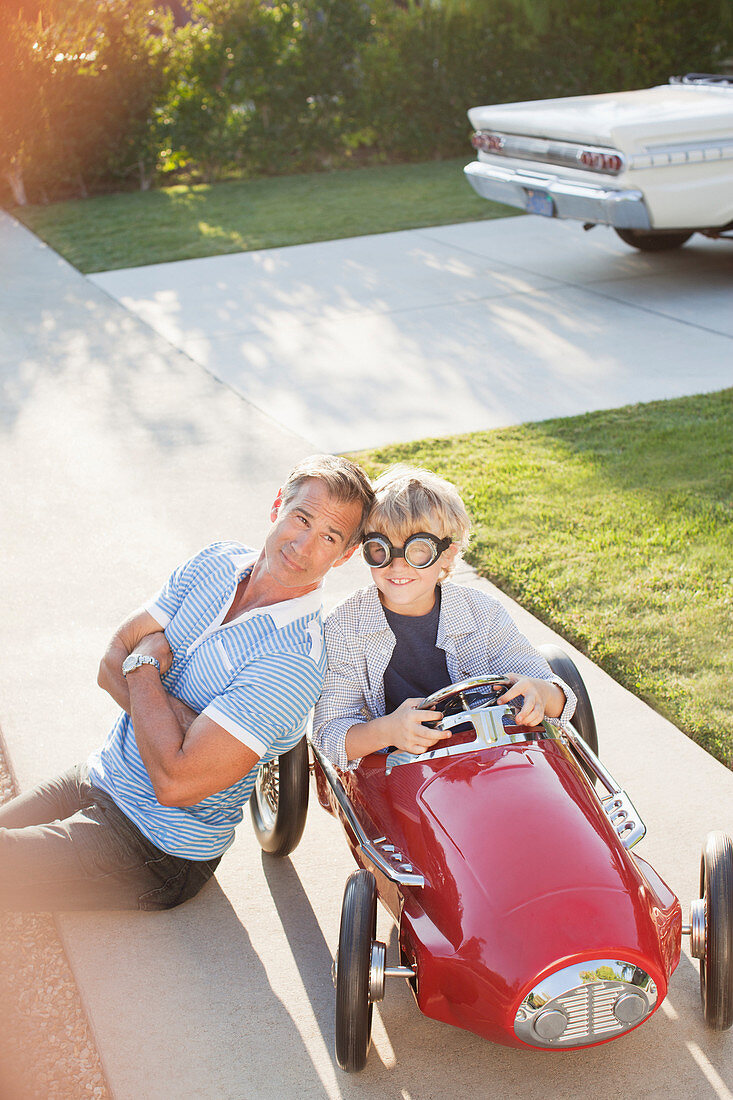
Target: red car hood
523, 874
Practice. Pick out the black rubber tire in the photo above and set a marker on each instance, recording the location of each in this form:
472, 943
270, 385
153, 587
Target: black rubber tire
716, 965
279, 802
564, 666
652, 240
353, 1004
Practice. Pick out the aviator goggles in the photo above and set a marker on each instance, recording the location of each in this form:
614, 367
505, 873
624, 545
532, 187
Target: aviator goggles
419, 551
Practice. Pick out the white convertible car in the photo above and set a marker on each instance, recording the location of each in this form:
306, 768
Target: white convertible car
656, 165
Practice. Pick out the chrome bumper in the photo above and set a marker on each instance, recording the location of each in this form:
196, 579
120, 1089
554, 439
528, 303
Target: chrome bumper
584, 202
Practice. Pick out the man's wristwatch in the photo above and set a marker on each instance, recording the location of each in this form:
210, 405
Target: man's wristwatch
135, 660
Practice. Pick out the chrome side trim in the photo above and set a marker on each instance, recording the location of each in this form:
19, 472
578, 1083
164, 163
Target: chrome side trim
588, 202
617, 805
585, 1003
623, 816
687, 152
388, 860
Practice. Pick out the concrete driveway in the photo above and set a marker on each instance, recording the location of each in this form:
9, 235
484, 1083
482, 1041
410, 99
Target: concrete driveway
435, 331
121, 456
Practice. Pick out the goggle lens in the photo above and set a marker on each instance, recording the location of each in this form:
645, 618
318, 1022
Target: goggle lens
376, 553
419, 551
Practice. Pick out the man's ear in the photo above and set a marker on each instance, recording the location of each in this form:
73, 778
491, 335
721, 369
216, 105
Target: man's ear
346, 556
276, 505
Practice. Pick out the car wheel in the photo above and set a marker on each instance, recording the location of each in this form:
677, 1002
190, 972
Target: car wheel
651, 240
716, 963
353, 965
564, 667
279, 801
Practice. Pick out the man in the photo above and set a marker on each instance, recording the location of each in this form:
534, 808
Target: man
216, 675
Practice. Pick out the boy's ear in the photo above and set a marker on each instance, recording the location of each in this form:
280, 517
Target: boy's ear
451, 553
447, 558
277, 502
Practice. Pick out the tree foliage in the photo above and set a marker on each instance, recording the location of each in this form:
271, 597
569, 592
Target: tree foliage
77, 89
21, 81
260, 87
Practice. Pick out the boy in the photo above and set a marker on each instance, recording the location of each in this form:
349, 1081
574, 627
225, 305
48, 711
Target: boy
412, 632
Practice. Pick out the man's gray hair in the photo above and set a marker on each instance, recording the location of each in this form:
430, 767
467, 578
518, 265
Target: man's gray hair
345, 481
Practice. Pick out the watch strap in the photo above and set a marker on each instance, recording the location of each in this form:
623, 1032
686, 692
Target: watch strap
135, 660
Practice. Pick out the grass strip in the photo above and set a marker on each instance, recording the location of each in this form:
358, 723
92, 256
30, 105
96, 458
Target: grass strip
615, 529
186, 222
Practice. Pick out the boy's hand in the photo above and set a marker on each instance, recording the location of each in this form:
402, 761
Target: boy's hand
406, 730
537, 694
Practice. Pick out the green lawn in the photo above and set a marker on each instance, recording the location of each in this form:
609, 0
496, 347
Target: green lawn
181, 223
615, 529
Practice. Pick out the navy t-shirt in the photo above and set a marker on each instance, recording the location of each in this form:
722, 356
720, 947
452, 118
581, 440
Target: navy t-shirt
417, 667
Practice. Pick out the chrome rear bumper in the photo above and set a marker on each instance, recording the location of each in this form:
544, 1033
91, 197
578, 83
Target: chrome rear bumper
584, 202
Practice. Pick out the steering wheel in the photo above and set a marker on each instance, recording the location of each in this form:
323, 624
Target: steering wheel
452, 699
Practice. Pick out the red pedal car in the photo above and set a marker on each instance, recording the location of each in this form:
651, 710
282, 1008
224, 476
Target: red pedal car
505, 858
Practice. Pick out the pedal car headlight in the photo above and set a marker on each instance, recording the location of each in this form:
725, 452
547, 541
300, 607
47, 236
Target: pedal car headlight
585, 1003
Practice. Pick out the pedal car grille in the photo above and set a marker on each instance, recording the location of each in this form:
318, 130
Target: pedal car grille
585, 1004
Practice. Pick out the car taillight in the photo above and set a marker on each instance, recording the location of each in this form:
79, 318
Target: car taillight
599, 161
487, 142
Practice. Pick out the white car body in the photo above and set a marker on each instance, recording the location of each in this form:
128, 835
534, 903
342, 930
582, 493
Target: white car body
670, 151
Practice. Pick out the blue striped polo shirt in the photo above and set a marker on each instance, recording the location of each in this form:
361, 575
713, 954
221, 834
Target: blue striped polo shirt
257, 676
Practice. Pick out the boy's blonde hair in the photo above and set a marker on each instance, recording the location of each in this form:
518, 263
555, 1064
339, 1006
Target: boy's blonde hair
408, 499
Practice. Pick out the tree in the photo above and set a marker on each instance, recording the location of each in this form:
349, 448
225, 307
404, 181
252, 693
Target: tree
330, 73
77, 94
21, 121
233, 76
125, 85
266, 87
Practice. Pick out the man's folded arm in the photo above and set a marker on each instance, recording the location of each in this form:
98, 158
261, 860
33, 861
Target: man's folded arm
185, 765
